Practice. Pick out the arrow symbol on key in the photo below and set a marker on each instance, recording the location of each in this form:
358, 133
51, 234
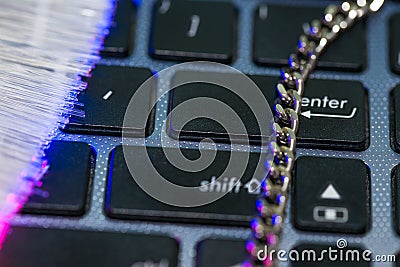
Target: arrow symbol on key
308, 115
330, 192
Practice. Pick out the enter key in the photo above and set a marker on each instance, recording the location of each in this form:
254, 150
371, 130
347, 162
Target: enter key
334, 116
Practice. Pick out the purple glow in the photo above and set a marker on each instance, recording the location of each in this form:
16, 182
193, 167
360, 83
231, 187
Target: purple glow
246, 264
30, 177
275, 219
279, 199
250, 247
271, 240
254, 224
268, 262
259, 205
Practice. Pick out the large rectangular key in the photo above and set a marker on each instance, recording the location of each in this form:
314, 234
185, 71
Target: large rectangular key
334, 113
34, 247
126, 200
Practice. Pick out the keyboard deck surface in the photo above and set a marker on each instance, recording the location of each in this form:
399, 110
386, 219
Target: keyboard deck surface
377, 78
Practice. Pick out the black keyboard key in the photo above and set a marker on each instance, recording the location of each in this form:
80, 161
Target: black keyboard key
203, 127
326, 104
64, 188
66, 248
395, 118
278, 27
119, 41
194, 30
395, 43
396, 196
125, 199
334, 116
318, 255
220, 253
105, 101
331, 195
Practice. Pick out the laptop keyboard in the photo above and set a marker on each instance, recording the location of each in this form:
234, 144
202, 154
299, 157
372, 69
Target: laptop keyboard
88, 211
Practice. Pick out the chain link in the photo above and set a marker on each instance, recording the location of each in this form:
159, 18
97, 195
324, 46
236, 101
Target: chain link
271, 205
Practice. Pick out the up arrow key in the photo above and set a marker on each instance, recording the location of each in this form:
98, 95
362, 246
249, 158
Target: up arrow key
330, 192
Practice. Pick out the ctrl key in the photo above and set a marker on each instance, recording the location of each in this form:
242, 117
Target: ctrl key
36, 247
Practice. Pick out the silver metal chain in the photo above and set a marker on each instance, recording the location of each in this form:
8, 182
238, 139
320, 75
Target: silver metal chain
271, 205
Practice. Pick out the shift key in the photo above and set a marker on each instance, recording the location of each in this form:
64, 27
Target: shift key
126, 200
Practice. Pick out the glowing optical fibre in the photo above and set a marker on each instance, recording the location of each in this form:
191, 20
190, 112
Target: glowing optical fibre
45, 46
